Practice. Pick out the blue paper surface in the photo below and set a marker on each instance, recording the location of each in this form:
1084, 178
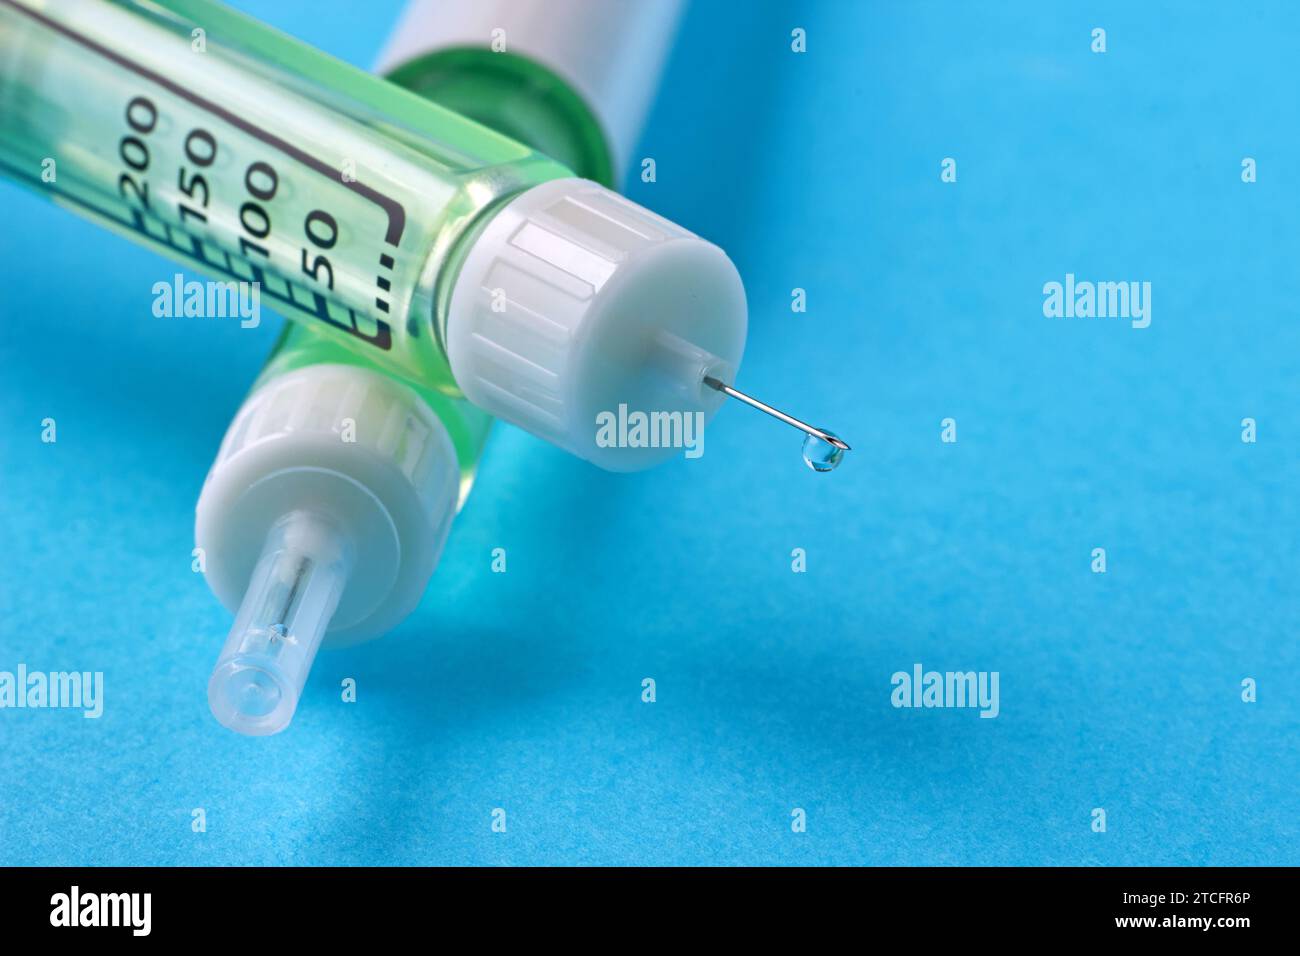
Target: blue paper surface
523, 691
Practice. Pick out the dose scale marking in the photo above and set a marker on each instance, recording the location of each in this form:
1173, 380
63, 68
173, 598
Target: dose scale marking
158, 231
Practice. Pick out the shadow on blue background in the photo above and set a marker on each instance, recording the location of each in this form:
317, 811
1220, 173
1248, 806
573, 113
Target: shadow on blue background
522, 690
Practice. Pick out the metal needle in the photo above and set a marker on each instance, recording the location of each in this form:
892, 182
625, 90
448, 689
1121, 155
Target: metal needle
775, 413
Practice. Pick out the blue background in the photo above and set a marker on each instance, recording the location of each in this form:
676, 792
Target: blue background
522, 690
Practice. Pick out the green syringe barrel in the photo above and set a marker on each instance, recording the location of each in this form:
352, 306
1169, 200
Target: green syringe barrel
446, 253
252, 157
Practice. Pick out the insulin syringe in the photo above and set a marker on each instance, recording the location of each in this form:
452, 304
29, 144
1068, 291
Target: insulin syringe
294, 550
452, 256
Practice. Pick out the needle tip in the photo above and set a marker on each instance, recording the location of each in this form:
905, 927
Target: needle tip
829, 437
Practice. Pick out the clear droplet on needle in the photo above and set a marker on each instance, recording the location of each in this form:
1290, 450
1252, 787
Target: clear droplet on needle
821, 455
828, 448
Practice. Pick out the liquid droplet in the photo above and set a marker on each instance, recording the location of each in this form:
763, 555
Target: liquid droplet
821, 455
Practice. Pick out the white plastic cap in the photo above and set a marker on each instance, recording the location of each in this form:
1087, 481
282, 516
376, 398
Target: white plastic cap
575, 304
610, 52
391, 493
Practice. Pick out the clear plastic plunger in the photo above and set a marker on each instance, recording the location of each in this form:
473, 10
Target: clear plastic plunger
286, 610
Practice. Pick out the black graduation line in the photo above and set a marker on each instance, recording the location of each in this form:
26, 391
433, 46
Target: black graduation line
395, 211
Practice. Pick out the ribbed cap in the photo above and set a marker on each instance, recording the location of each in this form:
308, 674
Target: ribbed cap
355, 446
574, 301
389, 420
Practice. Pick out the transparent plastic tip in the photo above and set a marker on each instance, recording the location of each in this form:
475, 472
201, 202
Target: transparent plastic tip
291, 597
